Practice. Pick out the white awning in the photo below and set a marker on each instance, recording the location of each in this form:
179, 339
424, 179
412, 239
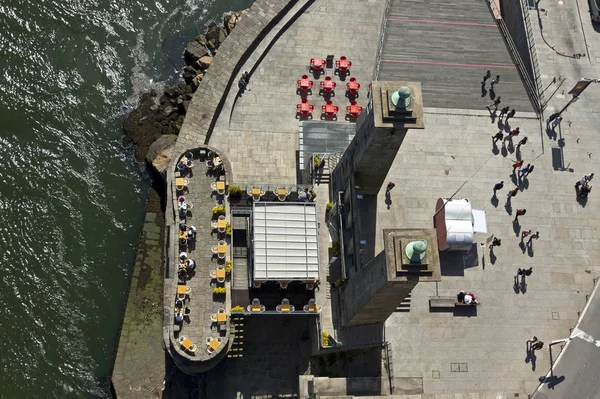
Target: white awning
479, 222
285, 241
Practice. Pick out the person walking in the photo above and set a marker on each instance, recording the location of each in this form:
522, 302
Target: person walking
514, 132
511, 114
585, 180
536, 344
520, 212
246, 76
551, 118
495, 104
498, 186
496, 80
523, 141
503, 112
529, 170
528, 271
523, 170
517, 164
496, 242
556, 122
389, 187
498, 136
525, 233
513, 193
487, 75
520, 272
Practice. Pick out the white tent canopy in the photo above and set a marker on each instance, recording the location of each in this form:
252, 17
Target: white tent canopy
456, 224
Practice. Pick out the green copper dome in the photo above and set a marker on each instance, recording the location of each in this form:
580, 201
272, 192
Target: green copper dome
401, 98
416, 251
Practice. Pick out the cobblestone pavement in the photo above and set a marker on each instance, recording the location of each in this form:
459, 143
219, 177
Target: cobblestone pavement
262, 133
202, 302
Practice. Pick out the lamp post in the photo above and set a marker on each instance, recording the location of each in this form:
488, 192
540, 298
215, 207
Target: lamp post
576, 91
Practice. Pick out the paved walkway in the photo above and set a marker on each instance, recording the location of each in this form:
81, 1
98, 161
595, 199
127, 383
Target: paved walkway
261, 137
456, 147
202, 302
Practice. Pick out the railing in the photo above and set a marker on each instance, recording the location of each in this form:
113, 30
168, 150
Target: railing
386, 14
532, 53
531, 87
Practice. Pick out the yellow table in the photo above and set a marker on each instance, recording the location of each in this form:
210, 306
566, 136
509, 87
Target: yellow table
181, 289
182, 235
214, 344
221, 224
281, 191
255, 191
312, 308
220, 185
187, 343
220, 273
256, 308
222, 248
221, 317
285, 308
180, 181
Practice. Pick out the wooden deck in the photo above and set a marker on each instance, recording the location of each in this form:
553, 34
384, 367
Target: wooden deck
448, 46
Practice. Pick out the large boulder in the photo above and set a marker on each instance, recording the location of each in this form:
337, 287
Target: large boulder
160, 152
230, 20
194, 51
215, 36
204, 62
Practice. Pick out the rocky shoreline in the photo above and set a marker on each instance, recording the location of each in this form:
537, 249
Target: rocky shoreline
155, 123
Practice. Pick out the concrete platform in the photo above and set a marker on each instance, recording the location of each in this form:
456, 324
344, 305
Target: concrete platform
448, 46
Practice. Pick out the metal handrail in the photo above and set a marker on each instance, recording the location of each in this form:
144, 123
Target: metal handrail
383, 28
531, 88
532, 52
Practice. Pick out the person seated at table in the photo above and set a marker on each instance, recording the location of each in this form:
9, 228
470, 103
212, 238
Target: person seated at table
192, 233
311, 196
183, 256
182, 227
182, 272
191, 264
179, 316
182, 213
178, 304
303, 196
461, 297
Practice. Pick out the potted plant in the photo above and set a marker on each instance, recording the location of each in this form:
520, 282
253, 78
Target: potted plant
228, 229
234, 191
228, 265
218, 210
219, 290
237, 309
325, 339
328, 207
317, 162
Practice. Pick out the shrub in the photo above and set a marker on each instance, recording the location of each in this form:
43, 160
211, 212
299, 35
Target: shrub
228, 229
317, 161
218, 210
335, 246
338, 283
237, 309
234, 191
325, 338
228, 267
219, 290
329, 206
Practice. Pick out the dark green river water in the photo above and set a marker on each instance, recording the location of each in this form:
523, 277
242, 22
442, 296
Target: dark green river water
71, 198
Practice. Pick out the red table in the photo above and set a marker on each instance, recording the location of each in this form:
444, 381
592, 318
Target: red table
353, 86
343, 64
304, 108
328, 85
317, 63
353, 109
329, 109
305, 83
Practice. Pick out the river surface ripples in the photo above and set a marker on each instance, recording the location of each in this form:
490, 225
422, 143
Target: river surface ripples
71, 198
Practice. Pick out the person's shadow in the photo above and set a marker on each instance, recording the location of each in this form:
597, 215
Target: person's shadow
531, 357
483, 90
530, 250
504, 150
508, 206
495, 149
518, 153
523, 285
388, 199
492, 93
552, 381
494, 200
493, 257
516, 227
522, 246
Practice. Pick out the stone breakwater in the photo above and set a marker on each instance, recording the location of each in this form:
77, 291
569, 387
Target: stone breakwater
154, 124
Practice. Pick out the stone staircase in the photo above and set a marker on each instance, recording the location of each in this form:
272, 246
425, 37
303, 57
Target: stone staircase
404, 305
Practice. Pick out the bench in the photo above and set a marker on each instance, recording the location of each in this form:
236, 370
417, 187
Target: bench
442, 301
447, 302
467, 304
